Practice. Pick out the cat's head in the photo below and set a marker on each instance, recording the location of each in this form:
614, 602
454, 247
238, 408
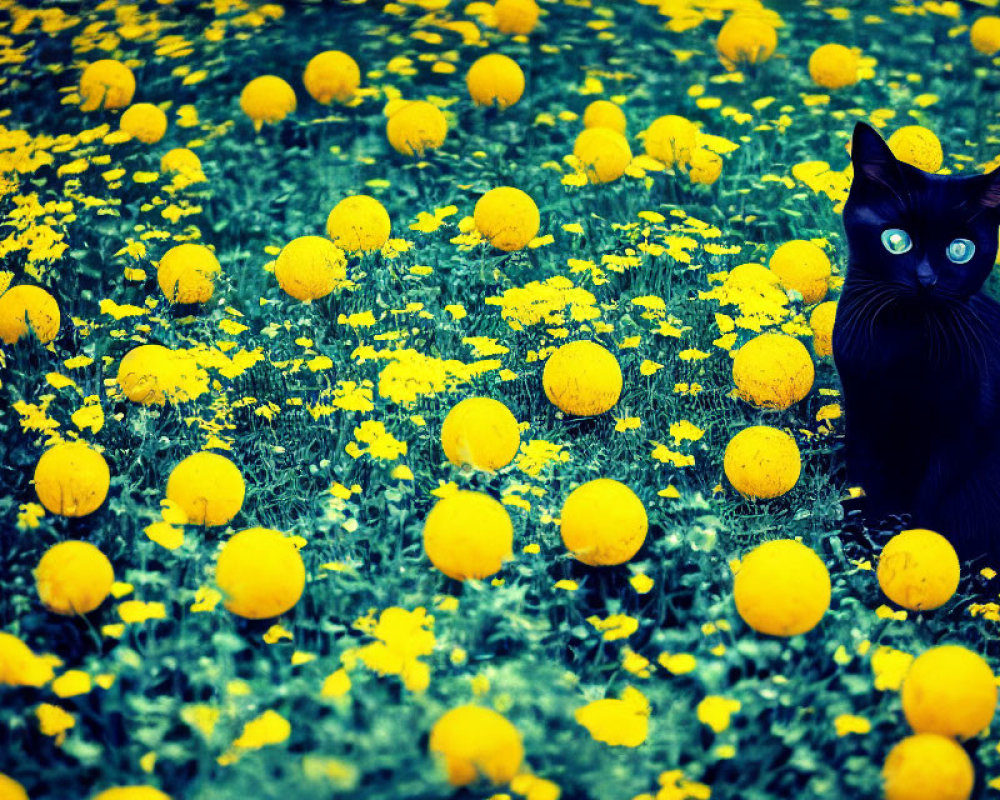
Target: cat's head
932, 236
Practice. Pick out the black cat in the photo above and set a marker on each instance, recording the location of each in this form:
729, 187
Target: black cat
917, 346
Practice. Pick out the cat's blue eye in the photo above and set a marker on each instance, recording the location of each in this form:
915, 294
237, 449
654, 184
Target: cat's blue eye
896, 241
961, 251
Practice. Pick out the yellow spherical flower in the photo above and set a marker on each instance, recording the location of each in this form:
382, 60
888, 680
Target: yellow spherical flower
474, 742
495, 80
834, 66
11, 789
72, 479
132, 793
773, 370
186, 273
603, 153
416, 128
359, 223
151, 374
918, 569
332, 75
208, 487
106, 84
19, 666
985, 35
928, 767
671, 139
821, 321
267, 99
182, 161
745, 39
480, 432
705, 166
603, 522
516, 16
762, 462
949, 690
804, 267
28, 308
310, 267
582, 378
605, 114
782, 588
507, 217
468, 535
260, 573
73, 578
918, 146
145, 122
621, 723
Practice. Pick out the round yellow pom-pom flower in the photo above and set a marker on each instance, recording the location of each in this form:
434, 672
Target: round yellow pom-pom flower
605, 114
762, 462
260, 573
918, 146
918, 569
782, 588
416, 128
745, 39
28, 308
19, 666
985, 35
507, 217
310, 267
495, 80
151, 373
603, 153
359, 223
821, 321
582, 378
949, 690
603, 522
267, 99
132, 793
618, 722
208, 487
332, 75
106, 84
928, 767
834, 66
468, 535
804, 267
11, 789
145, 122
186, 273
73, 578
670, 139
183, 161
516, 16
72, 479
475, 742
773, 370
705, 167
480, 432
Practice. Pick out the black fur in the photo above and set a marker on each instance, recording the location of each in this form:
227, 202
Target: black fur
917, 346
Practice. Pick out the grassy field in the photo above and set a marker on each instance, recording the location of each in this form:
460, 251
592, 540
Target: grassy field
332, 410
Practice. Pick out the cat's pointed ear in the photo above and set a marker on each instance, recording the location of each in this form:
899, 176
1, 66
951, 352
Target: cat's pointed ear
872, 157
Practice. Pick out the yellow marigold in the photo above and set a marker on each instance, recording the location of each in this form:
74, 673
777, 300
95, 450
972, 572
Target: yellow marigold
471, 741
516, 16
582, 378
332, 75
28, 308
480, 432
951, 691
416, 127
716, 711
670, 139
151, 374
145, 122
186, 273
834, 66
267, 99
804, 267
495, 80
106, 84
507, 217
821, 321
918, 146
310, 267
762, 462
72, 479
260, 573
603, 522
73, 578
705, 166
745, 39
918, 569
11, 789
603, 153
927, 767
985, 35
208, 487
183, 161
605, 114
359, 223
131, 793
773, 370
621, 723
263, 730
19, 666
468, 535
782, 588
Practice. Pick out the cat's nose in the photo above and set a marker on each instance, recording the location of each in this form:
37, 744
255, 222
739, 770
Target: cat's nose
925, 275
